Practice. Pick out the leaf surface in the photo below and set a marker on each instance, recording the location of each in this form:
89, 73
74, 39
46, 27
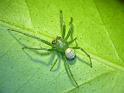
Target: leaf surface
98, 26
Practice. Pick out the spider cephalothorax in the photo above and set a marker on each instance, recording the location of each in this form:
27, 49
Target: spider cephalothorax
61, 45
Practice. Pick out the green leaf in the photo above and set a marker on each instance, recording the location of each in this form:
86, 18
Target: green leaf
98, 26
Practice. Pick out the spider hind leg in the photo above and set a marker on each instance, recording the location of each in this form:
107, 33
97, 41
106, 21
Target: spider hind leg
85, 54
69, 73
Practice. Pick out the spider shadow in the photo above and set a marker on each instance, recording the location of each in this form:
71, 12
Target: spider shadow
72, 62
36, 60
83, 61
52, 55
50, 62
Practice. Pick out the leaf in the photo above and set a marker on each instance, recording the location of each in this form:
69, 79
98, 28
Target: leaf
98, 27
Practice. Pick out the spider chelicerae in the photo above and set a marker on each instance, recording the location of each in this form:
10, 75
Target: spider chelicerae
61, 44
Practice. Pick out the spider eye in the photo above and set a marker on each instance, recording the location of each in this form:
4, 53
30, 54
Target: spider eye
54, 42
58, 37
70, 54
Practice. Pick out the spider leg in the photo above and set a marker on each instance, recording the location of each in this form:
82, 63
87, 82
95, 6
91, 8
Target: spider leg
73, 40
33, 48
58, 59
53, 64
72, 75
28, 35
37, 52
37, 60
85, 53
71, 30
62, 24
69, 73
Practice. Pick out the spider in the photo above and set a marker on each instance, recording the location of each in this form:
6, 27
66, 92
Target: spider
61, 45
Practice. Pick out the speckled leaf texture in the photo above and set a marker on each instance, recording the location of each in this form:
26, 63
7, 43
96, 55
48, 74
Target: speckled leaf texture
99, 28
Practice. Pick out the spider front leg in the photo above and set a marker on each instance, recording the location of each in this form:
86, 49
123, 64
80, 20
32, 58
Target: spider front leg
71, 30
26, 47
33, 48
70, 33
73, 40
31, 36
62, 24
85, 53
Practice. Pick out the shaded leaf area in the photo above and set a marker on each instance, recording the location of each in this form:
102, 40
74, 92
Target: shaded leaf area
98, 27
101, 84
112, 17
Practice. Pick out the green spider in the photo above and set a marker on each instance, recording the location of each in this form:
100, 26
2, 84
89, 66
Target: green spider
61, 45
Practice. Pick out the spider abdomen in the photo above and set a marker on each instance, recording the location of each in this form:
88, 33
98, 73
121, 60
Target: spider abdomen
70, 53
